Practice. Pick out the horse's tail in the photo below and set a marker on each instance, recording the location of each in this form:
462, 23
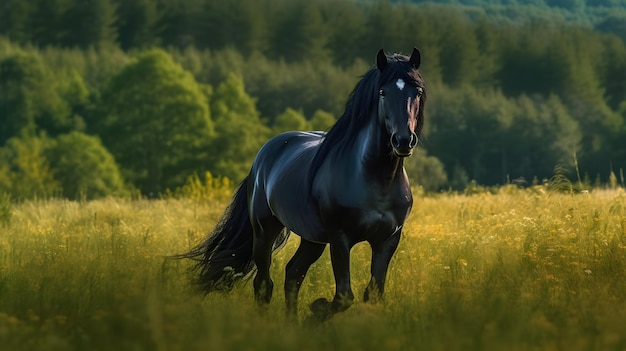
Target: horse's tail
225, 256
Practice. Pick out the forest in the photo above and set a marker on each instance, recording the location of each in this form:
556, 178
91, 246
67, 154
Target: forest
120, 97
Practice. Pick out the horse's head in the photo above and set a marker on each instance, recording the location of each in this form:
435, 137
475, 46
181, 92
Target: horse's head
401, 100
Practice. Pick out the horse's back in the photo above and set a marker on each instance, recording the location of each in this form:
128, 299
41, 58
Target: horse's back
280, 182
285, 150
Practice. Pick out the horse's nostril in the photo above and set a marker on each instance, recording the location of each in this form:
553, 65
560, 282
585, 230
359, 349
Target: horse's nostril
413, 141
395, 141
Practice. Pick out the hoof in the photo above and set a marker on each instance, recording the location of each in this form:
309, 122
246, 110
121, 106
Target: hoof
322, 310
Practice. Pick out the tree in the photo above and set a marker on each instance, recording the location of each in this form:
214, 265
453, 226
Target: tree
619, 153
290, 120
242, 24
380, 26
301, 33
29, 99
181, 21
157, 122
240, 132
73, 90
83, 167
14, 16
347, 30
466, 129
46, 21
137, 23
458, 54
613, 24
613, 71
25, 172
571, 5
322, 120
542, 135
90, 23
426, 171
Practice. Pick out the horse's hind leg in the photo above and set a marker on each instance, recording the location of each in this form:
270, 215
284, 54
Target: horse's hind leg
307, 253
266, 231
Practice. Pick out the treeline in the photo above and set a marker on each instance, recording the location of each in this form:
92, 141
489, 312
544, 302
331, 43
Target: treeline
89, 107
292, 29
604, 15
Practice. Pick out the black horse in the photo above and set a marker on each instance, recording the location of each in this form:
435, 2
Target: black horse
339, 188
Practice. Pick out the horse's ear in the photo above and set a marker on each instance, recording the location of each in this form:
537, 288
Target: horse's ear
381, 60
415, 59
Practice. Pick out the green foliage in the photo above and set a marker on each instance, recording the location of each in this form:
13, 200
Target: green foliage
6, 208
290, 120
513, 88
304, 86
47, 21
238, 128
24, 170
29, 99
494, 138
293, 30
243, 24
138, 23
14, 20
542, 135
471, 125
612, 68
74, 91
425, 171
301, 33
459, 54
83, 167
322, 120
206, 189
157, 122
90, 23
348, 28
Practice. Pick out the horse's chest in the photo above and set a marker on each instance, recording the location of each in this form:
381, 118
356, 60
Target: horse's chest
377, 222
376, 218
363, 210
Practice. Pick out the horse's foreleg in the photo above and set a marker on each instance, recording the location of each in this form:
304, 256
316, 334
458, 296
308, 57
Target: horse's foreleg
307, 253
381, 256
340, 258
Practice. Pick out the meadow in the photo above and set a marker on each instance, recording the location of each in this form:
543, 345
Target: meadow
511, 270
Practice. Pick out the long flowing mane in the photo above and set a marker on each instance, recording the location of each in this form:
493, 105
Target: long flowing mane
361, 102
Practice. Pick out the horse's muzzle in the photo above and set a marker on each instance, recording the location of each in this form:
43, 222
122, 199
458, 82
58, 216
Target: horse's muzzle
403, 145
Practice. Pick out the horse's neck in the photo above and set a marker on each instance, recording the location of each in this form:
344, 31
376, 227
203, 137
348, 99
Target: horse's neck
376, 156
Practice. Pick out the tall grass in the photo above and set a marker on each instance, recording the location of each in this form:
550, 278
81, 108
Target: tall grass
517, 270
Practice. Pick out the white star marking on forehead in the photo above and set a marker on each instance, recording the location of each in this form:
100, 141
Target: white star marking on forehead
400, 83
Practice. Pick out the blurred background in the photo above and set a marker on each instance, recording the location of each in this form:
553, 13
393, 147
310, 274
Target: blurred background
120, 97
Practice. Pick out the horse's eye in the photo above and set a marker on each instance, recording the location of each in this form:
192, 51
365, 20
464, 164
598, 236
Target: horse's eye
420, 91
381, 92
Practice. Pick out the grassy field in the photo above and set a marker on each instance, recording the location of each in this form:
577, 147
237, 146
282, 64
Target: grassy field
517, 270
